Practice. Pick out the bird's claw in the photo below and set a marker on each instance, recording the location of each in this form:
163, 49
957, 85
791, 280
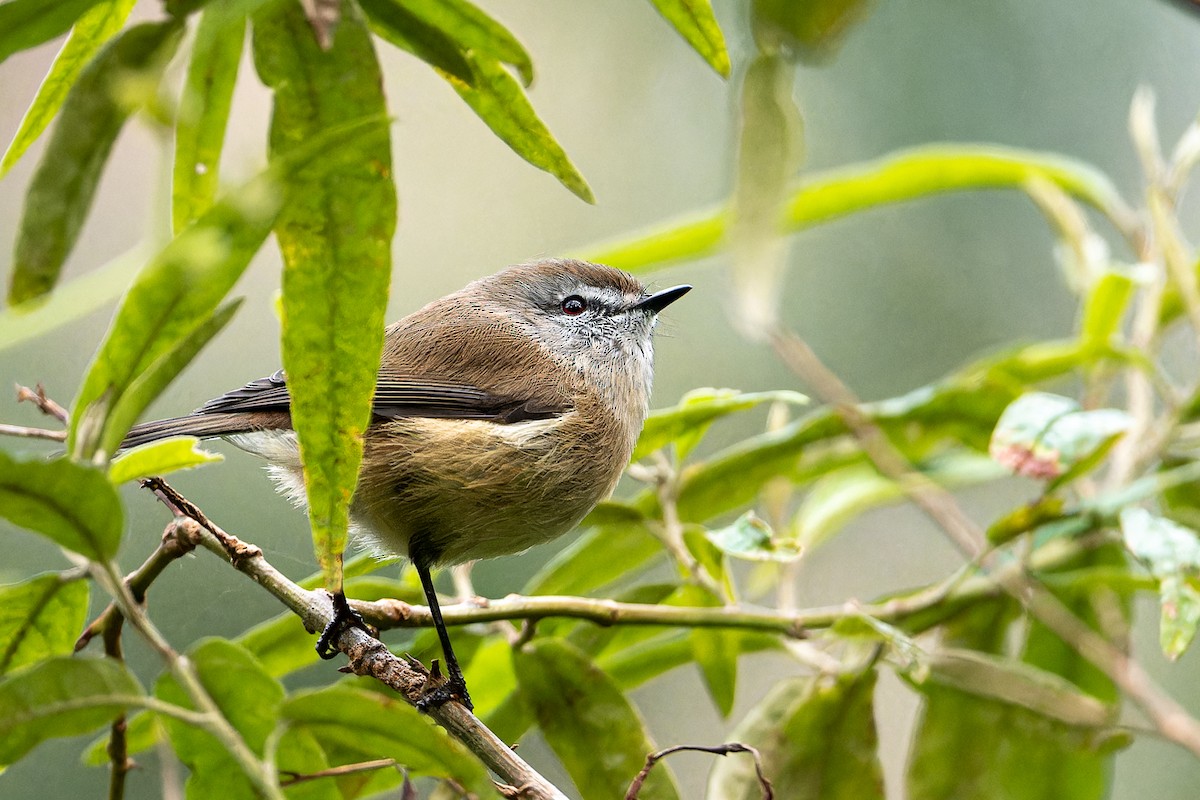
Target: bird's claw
344, 618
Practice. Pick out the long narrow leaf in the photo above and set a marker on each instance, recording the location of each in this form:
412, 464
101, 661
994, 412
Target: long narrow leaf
905, 175
694, 21
335, 233
204, 111
497, 97
92, 30
66, 178
173, 298
28, 23
466, 24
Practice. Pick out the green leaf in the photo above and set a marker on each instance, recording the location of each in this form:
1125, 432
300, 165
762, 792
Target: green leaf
376, 726
582, 713
694, 21
204, 110
816, 737
394, 22
752, 539
1016, 683
1105, 306
980, 739
715, 650
71, 504
686, 422
94, 28
905, 175
122, 76
498, 99
473, 30
160, 458
616, 543
142, 731
168, 314
61, 697
72, 300
245, 695
770, 150
28, 23
40, 618
335, 234
844, 494
147, 386
809, 31
1172, 553
1047, 436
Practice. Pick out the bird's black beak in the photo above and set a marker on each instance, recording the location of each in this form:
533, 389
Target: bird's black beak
660, 300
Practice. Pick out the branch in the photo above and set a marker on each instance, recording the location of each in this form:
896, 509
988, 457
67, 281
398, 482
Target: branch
367, 656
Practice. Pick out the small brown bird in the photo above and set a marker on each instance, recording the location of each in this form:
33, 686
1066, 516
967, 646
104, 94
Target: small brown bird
502, 414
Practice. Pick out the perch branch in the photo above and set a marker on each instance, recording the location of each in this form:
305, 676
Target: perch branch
367, 656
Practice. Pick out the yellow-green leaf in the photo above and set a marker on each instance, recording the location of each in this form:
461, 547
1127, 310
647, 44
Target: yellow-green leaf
335, 234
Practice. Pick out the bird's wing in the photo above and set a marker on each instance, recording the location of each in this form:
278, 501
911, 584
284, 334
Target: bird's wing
397, 396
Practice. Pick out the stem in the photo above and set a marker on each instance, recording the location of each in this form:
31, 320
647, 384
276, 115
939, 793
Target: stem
211, 718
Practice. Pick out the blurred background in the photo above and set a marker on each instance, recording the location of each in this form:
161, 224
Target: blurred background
890, 299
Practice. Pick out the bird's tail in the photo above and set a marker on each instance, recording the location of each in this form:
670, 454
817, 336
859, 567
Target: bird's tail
203, 426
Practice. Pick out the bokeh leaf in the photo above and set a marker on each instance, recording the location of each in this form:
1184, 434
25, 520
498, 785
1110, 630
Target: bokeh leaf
582, 713
821, 197
687, 421
28, 23
335, 233
616, 542
714, 649
816, 737
809, 31
751, 538
71, 504
981, 734
99, 24
694, 21
1172, 554
373, 725
204, 110
110, 87
39, 618
173, 299
61, 697
1047, 436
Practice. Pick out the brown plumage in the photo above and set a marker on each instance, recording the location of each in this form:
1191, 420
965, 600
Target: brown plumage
502, 414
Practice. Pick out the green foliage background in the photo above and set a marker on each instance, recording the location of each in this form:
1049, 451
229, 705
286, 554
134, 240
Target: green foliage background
892, 299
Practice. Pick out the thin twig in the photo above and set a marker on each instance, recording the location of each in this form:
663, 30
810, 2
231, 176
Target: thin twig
32, 433
720, 750
336, 772
38, 397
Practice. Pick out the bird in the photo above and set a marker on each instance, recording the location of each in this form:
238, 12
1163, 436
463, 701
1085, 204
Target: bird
502, 414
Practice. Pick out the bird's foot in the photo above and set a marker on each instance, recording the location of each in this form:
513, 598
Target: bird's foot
453, 687
344, 618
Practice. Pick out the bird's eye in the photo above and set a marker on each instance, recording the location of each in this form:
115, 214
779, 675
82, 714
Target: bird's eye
574, 305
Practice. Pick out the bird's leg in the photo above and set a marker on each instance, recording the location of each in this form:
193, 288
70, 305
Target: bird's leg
344, 618
455, 687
